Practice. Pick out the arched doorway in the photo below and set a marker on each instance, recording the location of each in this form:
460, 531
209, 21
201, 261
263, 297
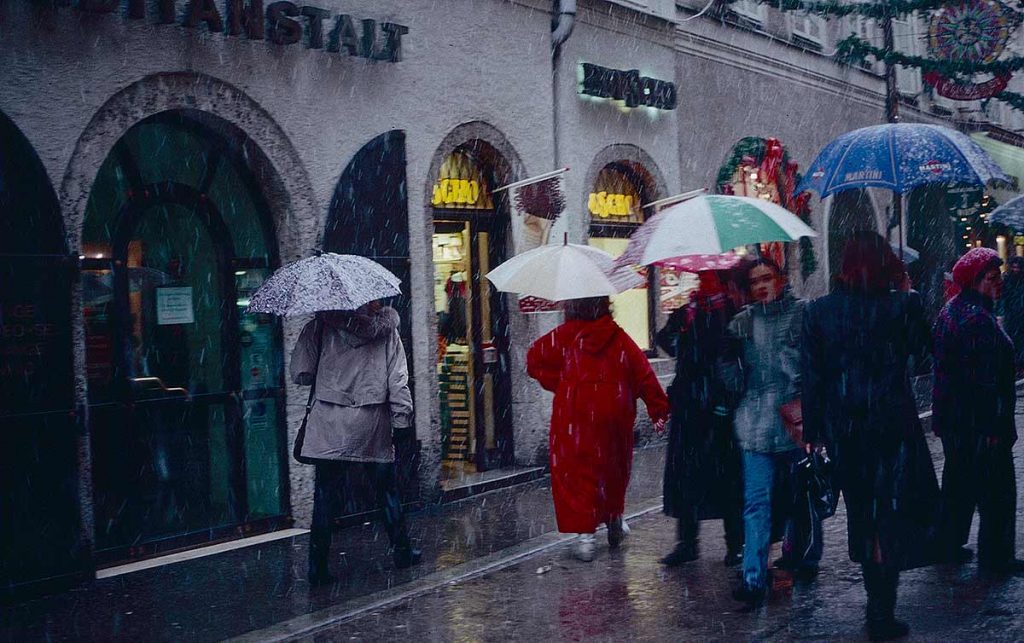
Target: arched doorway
614, 203
470, 237
185, 390
39, 509
369, 216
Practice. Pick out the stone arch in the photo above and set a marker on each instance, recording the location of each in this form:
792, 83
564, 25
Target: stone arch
654, 181
288, 189
508, 168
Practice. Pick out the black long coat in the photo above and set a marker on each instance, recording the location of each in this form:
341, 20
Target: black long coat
702, 464
858, 351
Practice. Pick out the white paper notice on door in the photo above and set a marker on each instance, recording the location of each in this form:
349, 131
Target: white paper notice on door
174, 305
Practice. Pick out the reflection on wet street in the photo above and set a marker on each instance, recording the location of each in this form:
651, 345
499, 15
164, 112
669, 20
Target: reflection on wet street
628, 595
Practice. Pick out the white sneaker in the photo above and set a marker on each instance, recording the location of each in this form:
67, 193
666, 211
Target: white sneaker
584, 548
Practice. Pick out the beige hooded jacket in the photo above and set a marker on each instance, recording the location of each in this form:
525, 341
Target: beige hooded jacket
362, 385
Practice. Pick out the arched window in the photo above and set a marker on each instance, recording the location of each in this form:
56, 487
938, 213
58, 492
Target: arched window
186, 389
39, 509
614, 205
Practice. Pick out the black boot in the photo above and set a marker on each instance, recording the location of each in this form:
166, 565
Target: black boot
319, 549
733, 557
880, 583
684, 552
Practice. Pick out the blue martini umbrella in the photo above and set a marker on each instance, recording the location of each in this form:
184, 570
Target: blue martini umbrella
899, 157
1010, 214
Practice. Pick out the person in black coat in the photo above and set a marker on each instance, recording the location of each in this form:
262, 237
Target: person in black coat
973, 407
1011, 307
703, 476
858, 346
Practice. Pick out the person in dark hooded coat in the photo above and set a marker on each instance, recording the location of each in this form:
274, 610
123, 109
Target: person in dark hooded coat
703, 476
973, 412
859, 345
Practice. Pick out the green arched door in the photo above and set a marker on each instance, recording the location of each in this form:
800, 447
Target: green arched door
185, 389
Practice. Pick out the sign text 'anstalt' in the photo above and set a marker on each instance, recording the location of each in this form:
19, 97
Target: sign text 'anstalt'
282, 23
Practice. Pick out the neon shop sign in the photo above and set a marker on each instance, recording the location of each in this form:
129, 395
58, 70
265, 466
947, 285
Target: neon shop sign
629, 87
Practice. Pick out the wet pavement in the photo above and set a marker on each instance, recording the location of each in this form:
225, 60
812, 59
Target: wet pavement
229, 594
479, 581
628, 595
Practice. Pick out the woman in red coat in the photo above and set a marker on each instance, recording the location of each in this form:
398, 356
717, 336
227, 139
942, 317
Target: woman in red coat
596, 373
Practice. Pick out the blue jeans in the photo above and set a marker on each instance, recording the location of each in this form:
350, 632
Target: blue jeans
802, 545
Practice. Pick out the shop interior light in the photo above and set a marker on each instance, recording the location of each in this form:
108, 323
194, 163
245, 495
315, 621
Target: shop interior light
239, 273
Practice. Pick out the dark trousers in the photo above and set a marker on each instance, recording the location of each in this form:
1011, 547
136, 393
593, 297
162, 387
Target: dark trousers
330, 499
688, 527
977, 475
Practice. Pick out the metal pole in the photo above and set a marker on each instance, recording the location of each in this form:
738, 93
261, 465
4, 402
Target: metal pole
892, 111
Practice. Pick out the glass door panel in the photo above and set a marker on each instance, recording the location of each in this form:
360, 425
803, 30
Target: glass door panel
261, 372
629, 309
453, 305
163, 456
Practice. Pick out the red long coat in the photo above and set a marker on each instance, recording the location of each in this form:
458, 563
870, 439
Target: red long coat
597, 373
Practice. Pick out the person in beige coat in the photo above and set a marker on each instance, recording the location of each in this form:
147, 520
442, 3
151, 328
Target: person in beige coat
356, 362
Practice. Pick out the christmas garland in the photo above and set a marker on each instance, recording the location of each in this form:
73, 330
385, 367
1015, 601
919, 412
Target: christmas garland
842, 8
753, 147
853, 50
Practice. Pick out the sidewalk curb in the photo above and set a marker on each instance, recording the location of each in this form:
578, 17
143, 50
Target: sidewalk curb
310, 624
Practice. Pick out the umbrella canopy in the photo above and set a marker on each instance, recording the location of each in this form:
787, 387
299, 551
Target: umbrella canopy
711, 225
702, 263
1010, 214
899, 157
326, 282
558, 272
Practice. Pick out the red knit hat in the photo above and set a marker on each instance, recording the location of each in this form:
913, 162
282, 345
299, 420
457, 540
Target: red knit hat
973, 265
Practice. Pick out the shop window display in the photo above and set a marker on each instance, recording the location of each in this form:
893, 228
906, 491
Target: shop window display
614, 204
472, 369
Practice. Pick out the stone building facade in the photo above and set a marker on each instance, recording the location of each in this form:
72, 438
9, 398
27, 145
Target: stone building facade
162, 158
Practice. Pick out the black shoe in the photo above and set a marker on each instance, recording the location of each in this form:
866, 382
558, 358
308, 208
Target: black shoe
320, 578
1014, 566
733, 558
784, 563
961, 555
752, 596
887, 629
617, 532
683, 553
407, 558
806, 573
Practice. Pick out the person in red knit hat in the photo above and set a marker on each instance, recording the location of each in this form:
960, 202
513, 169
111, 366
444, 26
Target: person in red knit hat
973, 412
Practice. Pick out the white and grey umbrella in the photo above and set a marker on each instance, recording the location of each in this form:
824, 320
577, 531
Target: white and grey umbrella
558, 272
326, 282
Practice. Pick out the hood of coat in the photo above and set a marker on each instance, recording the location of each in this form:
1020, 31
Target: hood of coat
359, 328
777, 307
597, 334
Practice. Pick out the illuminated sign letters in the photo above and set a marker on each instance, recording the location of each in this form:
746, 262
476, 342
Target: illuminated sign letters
455, 191
628, 86
604, 205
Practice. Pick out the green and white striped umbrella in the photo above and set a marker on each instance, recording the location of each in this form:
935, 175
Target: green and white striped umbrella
709, 225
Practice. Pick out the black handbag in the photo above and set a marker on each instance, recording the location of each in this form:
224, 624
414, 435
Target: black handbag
300, 436
814, 472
